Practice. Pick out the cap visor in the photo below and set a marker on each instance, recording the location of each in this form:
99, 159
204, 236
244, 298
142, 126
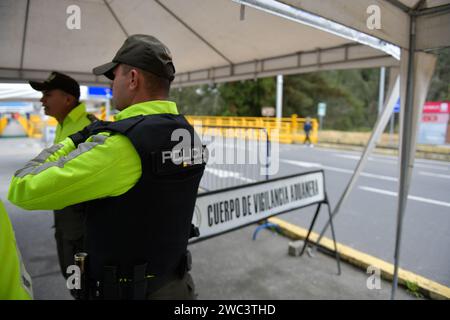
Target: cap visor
39, 86
105, 69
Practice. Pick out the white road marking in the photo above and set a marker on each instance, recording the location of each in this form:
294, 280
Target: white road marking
437, 162
354, 157
303, 163
410, 197
318, 165
228, 174
337, 169
429, 166
378, 176
347, 156
437, 175
393, 161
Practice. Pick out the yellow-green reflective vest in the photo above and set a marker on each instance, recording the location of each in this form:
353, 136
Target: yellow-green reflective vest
15, 282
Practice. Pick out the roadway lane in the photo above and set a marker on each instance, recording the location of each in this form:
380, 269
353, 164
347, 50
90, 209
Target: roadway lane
367, 221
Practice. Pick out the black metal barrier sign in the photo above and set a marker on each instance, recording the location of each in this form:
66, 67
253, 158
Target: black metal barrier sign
224, 210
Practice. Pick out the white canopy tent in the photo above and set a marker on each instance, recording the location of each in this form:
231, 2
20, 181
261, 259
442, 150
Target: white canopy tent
24, 92
208, 40
224, 40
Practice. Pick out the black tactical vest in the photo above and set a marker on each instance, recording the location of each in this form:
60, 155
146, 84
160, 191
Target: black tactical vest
151, 222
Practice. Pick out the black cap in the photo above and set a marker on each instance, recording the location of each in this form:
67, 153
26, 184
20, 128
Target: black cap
57, 80
144, 52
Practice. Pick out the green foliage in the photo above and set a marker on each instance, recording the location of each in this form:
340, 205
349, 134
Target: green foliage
413, 289
198, 100
338, 89
440, 83
246, 98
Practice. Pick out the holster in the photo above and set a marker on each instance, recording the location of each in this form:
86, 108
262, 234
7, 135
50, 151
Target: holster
82, 261
115, 288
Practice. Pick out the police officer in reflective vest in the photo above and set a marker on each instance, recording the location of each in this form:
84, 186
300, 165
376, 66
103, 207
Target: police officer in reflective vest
60, 99
140, 195
15, 282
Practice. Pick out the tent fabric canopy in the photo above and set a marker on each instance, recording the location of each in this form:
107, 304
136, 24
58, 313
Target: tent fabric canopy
432, 28
208, 39
211, 40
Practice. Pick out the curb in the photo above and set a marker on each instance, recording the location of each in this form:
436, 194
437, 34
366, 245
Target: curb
362, 260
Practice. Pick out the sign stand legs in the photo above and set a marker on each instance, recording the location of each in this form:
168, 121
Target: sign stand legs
336, 253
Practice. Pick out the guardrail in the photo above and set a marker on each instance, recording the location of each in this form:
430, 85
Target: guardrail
289, 130
3, 123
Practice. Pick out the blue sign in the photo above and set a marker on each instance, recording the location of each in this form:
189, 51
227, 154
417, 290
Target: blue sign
397, 106
100, 92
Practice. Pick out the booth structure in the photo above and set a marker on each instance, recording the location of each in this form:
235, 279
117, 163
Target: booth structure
435, 123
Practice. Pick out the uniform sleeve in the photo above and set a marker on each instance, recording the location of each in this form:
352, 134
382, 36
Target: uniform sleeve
15, 282
103, 166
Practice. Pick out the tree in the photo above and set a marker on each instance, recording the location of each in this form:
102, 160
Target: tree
246, 98
440, 83
198, 100
303, 92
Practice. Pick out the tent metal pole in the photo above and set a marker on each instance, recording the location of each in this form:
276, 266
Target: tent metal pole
399, 5
376, 133
406, 150
279, 105
116, 18
296, 14
381, 89
24, 36
194, 32
440, 9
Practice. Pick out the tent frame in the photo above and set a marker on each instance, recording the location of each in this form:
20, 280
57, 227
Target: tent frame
408, 132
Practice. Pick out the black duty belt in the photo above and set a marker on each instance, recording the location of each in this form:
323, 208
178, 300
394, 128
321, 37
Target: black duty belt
139, 287
128, 289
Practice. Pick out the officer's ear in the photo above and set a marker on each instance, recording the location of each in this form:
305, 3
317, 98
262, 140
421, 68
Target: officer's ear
70, 100
134, 79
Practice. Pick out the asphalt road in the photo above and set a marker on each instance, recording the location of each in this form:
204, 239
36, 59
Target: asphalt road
367, 220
